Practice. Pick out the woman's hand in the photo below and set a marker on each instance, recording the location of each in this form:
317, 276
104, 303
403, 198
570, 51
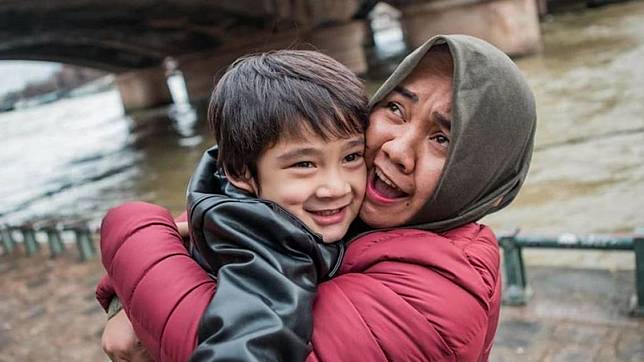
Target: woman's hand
119, 341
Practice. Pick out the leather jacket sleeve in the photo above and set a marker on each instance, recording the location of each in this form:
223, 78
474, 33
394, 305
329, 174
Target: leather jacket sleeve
268, 266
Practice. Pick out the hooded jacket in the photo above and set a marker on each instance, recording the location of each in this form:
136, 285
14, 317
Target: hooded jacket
492, 135
429, 290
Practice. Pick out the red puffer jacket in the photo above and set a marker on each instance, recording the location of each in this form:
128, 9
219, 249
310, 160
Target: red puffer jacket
400, 295
411, 295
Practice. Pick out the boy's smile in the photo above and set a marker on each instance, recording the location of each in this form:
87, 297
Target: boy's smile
322, 182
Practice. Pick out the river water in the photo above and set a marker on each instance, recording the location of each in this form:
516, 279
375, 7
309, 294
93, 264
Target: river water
77, 157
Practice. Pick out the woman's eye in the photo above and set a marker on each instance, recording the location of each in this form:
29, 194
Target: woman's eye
353, 157
441, 139
303, 164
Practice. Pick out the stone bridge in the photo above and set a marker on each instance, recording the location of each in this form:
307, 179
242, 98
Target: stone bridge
133, 38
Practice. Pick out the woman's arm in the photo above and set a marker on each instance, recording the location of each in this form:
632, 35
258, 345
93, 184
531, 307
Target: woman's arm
105, 293
162, 289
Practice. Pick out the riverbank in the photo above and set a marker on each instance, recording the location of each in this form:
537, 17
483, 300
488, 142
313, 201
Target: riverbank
48, 311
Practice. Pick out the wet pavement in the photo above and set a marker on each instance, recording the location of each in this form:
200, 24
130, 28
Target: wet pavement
574, 315
48, 311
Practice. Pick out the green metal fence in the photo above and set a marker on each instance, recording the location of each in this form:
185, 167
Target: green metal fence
518, 291
24, 238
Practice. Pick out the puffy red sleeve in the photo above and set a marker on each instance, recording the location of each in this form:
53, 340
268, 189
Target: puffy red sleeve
163, 290
105, 290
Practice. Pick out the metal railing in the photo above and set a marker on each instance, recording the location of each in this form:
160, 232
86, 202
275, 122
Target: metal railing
24, 238
518, 291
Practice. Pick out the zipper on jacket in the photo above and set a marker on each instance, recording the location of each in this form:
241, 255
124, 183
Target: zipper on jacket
338, 262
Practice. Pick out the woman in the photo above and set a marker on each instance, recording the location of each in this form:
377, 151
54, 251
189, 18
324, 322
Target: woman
449, 141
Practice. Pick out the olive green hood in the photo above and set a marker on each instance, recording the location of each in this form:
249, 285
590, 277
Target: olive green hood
493, 126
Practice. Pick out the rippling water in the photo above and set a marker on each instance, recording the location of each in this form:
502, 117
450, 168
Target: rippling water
77, 157
588, 168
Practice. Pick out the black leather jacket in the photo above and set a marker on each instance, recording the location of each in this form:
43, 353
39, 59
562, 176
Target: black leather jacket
268, 265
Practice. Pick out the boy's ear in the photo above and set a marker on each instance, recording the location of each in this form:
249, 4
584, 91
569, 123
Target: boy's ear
247, 183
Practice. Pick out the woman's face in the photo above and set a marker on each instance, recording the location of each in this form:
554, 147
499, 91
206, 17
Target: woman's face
407, 142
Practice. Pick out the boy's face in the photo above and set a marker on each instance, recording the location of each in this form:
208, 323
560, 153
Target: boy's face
321, 182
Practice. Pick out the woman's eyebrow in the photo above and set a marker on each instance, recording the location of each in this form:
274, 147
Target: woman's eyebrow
406, 93
442, 120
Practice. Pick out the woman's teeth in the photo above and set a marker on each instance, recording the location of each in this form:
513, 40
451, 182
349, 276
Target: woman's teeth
387, 181
386, 187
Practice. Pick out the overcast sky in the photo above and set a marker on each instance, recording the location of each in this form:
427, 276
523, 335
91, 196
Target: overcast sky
15, 74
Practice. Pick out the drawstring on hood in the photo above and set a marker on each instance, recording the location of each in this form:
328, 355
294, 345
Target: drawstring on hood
492, 134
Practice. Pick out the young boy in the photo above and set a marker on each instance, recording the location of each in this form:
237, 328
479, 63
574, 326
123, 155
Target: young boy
289, 180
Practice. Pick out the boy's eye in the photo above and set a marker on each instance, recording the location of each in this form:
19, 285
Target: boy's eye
353, 157
394, 108
303, 164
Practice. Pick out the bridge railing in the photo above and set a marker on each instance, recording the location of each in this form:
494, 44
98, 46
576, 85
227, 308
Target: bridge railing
517, 289
26, 238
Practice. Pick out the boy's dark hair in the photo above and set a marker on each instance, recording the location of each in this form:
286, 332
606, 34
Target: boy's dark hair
264, 97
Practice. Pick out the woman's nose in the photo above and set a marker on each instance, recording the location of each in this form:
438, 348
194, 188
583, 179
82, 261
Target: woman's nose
400, 150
